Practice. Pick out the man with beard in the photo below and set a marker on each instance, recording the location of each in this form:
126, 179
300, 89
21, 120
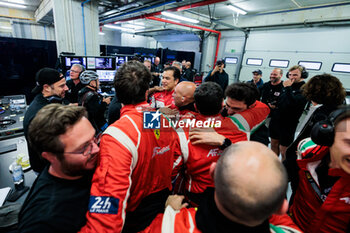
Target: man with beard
50, 88
289, 107
59, 198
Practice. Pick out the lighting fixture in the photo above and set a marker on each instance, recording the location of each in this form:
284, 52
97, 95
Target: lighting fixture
119, 28
237, 10
6, 28
171, 15
133, 26
17, 1
12, 5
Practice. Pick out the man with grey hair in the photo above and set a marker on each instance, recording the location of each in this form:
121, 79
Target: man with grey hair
243, 201
74, 85
178, 65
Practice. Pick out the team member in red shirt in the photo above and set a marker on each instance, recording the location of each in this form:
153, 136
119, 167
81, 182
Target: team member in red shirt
197, 158
250, 186
163, 98
247, 113
322, 199
133, 178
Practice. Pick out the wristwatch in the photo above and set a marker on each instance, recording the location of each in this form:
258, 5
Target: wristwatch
227, 142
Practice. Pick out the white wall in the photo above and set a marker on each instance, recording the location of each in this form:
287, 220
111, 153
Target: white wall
136, 40
110, 37
23, 25
324, 44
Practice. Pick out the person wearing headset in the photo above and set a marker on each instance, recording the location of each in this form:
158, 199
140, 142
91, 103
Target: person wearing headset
50, 88
74, 83
95, 104
322, 199
290, 106
218, 75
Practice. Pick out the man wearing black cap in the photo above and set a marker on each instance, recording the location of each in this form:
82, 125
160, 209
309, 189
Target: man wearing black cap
218, 75
50, 88
257, 80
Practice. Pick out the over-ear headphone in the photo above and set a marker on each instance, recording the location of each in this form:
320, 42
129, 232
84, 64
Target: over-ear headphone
322, 132
304, 73
82, 68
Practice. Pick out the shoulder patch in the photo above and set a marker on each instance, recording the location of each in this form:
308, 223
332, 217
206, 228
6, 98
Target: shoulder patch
103, 205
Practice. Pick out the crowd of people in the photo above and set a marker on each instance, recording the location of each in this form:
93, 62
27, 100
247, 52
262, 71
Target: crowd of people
177, 157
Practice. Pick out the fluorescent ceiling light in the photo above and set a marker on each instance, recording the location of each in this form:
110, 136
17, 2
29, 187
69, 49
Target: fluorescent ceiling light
101, 33
236, 9
139, 23
17, 1
12, 5
6, 28
179, 17
119, 28
133, 26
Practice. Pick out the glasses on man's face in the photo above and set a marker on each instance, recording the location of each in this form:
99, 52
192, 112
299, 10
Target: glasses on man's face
74, 71
87, 149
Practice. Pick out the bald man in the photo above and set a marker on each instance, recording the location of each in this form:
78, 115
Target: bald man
188, 73
183, 97
243, 201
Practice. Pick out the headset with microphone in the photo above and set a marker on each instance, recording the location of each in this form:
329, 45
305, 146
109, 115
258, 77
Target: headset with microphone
304, 73
323, 132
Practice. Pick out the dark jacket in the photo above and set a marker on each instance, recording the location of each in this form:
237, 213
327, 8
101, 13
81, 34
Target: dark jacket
72, 93
36, 161
95, 107
114, 110
219, 78
290, 163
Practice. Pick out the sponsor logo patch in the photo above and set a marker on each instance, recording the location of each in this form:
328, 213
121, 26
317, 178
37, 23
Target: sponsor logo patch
103, 205
157, 133
160, 150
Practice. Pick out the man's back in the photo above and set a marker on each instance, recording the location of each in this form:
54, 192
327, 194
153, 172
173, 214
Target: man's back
55, 204
134, 173
198, 158
38, 103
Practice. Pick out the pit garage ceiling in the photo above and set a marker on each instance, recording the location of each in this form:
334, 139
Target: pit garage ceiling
212, 14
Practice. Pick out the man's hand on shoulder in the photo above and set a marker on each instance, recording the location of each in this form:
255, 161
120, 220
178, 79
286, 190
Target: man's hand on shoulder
175, 201
155, 89
206, 136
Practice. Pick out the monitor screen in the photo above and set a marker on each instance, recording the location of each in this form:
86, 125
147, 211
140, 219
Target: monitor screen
103, 63
147, 58
105, 75
121, 60
75, 60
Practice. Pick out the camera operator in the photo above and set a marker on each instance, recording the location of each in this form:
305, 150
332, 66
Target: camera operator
218, 75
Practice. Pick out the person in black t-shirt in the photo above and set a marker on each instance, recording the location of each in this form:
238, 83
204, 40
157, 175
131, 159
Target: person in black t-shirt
74, 83
218, 75
50, 88
58, 200
289, 107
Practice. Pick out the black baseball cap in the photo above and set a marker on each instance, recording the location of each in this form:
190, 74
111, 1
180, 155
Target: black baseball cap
46, 76
257, 71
